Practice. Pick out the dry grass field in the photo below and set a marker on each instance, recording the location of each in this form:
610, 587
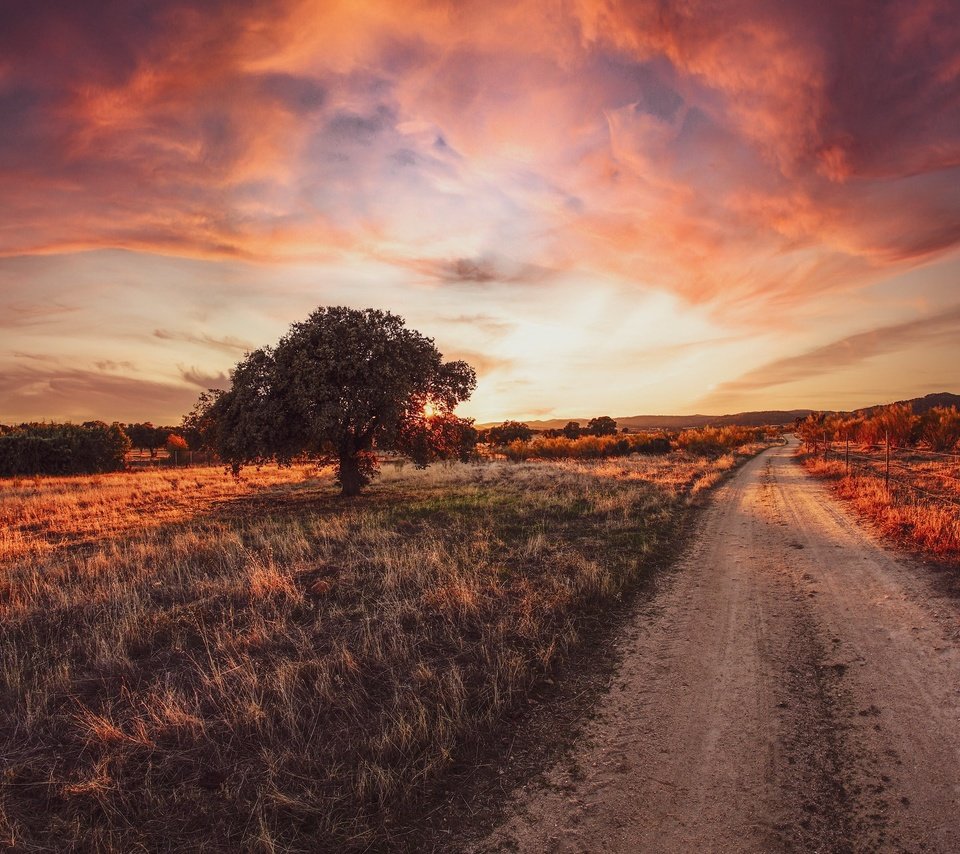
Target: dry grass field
900, 513
192, 662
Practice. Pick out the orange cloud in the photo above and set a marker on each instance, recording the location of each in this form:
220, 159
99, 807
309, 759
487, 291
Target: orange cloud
288, 129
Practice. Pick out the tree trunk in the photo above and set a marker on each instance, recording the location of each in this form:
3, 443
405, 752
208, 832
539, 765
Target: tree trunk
351, 480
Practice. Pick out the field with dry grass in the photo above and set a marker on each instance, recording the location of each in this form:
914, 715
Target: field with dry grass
193, 662
899, 512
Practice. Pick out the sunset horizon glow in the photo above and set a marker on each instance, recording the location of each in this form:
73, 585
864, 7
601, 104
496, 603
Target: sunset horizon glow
604, 207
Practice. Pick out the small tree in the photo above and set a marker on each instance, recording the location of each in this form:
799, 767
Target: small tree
940, 428
602, 426
175, 446
571, 430
334, 387
442, 436
509, 431
810, 429
143, 436
897, 422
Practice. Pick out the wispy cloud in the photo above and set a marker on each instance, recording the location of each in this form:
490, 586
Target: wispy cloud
111, 365
481, 270
483, 363
44, 390
225, 343
487, 323
840, 354
204, 380
24, 314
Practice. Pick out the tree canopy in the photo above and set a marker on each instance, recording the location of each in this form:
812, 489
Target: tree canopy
603, 425
509, 431
339, 384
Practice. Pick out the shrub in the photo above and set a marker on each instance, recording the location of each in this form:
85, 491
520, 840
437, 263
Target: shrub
940, 428
604, 425
896, 422
61, 449
176, 443
437, 437
509, 432
587, 447
715, 441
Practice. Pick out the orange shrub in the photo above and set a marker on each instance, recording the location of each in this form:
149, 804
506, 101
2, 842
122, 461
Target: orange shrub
176, 443
896, 421
587, 447
940, 428
713, 441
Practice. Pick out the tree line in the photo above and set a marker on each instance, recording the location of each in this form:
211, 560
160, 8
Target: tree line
517, 431
62, 449
93, 447
938, 428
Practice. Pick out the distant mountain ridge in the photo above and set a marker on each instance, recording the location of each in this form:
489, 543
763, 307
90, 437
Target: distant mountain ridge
919, 404
676, 422
741, 419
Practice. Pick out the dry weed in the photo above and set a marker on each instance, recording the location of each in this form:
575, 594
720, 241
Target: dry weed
898, 512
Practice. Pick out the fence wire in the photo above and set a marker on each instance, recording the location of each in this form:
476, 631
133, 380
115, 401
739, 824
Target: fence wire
879, 467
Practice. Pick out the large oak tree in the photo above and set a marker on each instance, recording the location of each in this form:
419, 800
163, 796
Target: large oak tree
339, 384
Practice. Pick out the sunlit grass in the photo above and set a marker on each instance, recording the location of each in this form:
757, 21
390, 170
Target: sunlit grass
188, 660
933, 526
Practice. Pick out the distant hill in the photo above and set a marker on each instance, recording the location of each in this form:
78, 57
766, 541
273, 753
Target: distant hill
676, 422
740, 419
919, 404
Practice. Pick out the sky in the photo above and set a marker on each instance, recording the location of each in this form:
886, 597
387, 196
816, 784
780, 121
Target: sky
605, 207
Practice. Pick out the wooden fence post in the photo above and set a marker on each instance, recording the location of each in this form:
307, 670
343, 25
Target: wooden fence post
886, 479
847, 454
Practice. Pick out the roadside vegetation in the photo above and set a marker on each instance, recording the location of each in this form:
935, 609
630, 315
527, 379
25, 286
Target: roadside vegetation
193, 659
932, 526
200, 662
28, 449
919, 502
706, 441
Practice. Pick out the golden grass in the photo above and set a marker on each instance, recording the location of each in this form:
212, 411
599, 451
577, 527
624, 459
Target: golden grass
41, 514
190, 662
899, 513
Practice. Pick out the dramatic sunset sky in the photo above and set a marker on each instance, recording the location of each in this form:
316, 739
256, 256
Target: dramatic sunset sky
606, 207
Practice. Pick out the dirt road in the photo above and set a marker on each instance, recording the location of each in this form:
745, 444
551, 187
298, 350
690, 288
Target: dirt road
792, 686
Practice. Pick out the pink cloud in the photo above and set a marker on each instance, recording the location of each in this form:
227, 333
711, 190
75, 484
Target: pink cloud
228, 132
